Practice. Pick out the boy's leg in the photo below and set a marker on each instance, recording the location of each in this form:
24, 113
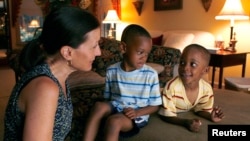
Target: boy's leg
116, 123
100, 110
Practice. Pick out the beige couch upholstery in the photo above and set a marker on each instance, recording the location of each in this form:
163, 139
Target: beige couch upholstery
181, 38
87, 87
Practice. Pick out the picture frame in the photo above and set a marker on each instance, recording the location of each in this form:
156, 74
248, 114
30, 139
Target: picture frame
89, 5
160, 5
206, 4
21, 22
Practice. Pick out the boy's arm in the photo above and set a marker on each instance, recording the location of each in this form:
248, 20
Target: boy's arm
106, 93
204, 114
147, 110
206, 109
216, 115
155, 98
176, 120
191, 124
132, 113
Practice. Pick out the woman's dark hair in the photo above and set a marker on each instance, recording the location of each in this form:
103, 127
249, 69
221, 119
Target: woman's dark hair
66, 25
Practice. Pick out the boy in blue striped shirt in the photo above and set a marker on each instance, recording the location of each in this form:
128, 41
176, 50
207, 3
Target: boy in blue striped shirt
132, 90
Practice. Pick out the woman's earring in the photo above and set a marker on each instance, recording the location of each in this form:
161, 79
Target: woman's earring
69, 63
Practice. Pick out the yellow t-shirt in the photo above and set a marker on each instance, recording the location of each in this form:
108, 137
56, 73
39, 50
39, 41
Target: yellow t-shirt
175, 100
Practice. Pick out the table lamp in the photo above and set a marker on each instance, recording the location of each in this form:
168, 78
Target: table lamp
232, 10
34, 24
111, 18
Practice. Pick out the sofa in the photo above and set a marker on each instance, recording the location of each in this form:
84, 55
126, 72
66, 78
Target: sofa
85, 91
181, 38
87, 87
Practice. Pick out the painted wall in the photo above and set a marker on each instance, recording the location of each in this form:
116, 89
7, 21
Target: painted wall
192, 16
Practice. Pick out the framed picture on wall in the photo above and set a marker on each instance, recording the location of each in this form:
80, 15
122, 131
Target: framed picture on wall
89, 5
25, 30
160, 5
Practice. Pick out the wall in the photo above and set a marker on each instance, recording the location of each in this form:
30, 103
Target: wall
192, 16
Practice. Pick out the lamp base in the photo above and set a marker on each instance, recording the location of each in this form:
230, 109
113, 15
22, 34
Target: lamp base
231, 49
111, 33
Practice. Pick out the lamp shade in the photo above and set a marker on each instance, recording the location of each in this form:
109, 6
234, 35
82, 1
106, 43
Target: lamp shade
34, 24
232, 10
111, 17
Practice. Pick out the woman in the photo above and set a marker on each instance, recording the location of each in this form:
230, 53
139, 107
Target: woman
40, 106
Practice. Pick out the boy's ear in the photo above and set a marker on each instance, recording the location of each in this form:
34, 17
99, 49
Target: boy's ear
206, 70
66, 52
123, 47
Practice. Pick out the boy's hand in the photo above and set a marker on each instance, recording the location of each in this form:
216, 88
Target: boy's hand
130, 113
217, 114
194, 125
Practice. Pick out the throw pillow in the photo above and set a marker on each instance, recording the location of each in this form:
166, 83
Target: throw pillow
157, 40
179, 40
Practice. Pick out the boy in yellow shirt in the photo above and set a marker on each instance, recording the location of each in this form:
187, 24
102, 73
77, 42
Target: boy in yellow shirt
189, 91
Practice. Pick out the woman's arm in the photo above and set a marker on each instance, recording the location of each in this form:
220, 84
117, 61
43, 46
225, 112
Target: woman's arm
38, 100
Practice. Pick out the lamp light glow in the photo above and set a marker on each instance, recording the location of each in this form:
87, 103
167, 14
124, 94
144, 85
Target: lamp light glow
232, 10
34, 24
111, 18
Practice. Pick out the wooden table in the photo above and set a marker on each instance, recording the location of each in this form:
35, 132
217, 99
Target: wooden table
223, 59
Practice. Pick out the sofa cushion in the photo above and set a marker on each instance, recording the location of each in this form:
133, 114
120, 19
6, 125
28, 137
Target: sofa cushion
111, 53
166, 56
80, 79
237, 83
155, 33
201, 37
178, 40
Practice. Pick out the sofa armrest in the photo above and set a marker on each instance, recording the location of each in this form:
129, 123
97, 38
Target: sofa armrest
166, 56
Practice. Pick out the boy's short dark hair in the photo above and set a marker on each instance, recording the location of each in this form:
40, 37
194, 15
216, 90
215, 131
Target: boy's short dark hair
202, 49
133, 30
